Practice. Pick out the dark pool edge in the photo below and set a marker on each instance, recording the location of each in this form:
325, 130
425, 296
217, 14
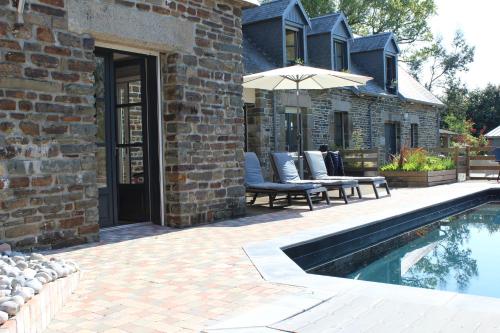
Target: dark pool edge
315, 252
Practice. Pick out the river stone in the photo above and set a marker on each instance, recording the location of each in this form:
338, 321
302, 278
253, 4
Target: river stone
4, 316
18, 299
43, 275
18, 281
9, 307
26, 292
29, 273
22, 265
37, 256
35, 285
4, 247
5, 292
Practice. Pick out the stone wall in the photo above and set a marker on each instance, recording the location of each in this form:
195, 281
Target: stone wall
48, 195
367, 116
203, 112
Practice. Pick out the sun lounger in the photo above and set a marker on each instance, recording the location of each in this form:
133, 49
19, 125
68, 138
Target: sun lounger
317, 168
255, 184
284, 167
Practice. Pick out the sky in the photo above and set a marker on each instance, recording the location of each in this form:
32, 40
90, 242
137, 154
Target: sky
480, 23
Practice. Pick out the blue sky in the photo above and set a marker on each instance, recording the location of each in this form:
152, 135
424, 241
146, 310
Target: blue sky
480, 23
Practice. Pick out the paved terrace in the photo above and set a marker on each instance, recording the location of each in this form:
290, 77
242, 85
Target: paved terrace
146, 278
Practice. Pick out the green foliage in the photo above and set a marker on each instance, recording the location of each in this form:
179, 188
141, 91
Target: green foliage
483, 106
407, 19
418, 160
444, 62
465, 132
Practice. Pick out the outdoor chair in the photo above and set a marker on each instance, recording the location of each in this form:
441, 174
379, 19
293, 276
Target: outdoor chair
497, 159
318, 170
255, 184
285, 169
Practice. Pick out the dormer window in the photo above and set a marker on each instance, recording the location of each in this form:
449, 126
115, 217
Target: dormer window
340, 53
391, 84
293, 46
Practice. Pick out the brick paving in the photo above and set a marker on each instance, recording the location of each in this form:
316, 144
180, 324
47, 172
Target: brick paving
147, 278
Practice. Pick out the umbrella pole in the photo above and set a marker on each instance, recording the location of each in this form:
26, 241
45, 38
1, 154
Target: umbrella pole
299, 135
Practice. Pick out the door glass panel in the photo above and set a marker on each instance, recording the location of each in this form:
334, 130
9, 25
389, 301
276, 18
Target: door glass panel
136, 165
123, 131
134, 91
135, 124
101, 123
130, 165
123, 165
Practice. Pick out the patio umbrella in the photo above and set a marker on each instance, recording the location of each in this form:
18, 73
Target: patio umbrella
302, 77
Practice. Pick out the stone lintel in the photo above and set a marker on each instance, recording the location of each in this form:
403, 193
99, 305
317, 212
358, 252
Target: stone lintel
134, 28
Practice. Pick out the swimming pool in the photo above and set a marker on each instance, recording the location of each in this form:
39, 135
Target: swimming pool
453, 246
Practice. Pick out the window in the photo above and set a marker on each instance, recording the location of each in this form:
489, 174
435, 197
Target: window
293, 49
341, 130
340, 51
390, 75
291, 128
392, 139
414, 135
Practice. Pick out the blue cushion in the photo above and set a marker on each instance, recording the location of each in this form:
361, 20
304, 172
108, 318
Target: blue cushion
284, 187
316, 164
285, 166
253, 171
497, 154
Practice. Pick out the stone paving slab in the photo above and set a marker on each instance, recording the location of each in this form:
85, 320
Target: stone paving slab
147, 278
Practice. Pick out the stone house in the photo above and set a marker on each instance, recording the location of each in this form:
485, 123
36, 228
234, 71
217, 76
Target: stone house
392, 110
118, 111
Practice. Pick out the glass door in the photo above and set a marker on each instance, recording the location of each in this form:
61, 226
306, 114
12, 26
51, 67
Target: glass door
127, 138
130, 148
105, 162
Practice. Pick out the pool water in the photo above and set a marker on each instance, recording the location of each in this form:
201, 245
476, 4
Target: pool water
460, 253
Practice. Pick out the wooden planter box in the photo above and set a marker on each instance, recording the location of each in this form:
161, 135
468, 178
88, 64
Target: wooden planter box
419, 178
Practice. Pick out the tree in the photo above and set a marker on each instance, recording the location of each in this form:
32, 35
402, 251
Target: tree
455, 98
444, 63
483, 106
407, 19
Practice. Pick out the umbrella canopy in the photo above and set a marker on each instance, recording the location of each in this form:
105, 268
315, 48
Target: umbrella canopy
302, 77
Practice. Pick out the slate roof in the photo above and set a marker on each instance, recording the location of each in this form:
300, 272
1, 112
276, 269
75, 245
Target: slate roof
495, 133
408, 87
411, 90
265, 11
371, 87
370, 43
254, 59
323, 24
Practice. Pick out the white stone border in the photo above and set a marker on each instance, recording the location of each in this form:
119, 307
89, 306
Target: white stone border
276, 267
36, 314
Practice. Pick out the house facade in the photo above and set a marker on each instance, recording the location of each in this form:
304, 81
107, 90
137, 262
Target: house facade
392, 110
115, 112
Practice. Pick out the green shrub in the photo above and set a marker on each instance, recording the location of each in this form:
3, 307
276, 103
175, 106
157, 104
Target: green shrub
418, 160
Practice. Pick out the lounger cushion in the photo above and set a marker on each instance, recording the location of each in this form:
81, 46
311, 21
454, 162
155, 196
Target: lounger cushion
362, 180
328, 182
285, 165
282, 187
253, 171
316, 164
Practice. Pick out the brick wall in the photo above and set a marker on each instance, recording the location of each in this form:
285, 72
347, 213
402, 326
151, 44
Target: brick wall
48, 195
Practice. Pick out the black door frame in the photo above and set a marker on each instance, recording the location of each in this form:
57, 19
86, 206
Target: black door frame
150, 134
